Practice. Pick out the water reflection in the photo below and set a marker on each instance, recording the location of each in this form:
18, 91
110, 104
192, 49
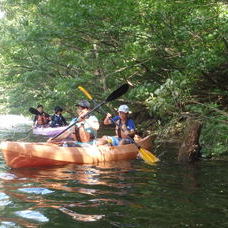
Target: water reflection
47, 188
32, 215
117, 194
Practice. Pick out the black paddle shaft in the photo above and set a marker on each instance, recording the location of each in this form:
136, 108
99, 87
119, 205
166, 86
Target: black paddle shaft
114, 95
34, 111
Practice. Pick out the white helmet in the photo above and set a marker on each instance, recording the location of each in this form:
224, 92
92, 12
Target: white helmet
123, 108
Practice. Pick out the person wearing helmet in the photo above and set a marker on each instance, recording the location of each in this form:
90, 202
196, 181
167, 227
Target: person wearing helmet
125, 127
57, 120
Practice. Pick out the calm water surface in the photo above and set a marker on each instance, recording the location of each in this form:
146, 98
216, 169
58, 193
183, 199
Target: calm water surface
117, 194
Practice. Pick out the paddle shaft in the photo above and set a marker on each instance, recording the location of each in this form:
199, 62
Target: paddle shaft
89, 96
82, 117
34, 111
115, 94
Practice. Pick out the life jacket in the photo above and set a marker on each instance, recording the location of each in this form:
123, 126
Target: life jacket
42, 119
119, 130
82, 136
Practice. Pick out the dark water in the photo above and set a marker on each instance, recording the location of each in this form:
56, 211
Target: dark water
117, 194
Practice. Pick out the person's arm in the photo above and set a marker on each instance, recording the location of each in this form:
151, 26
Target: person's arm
74, 120
35, 121
107, 119
52, 123
64, 121
130, 133
47, 116
85, 136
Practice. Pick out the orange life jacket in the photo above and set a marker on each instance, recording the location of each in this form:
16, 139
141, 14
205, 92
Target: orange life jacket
42, 119
82, 136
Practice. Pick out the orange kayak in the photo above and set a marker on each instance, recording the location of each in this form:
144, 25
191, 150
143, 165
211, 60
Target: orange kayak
27, 154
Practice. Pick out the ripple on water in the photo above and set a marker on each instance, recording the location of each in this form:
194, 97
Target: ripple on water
121, 194
4, 199
38, 191
81, 217
7, 224
7, 176
33, 215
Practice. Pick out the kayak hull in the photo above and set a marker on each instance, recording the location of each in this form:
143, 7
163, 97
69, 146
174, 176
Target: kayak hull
48, 131
26, 154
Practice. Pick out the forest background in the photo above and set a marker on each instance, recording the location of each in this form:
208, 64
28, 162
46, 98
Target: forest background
173, 53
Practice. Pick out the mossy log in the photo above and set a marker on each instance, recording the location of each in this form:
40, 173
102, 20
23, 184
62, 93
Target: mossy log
190, 148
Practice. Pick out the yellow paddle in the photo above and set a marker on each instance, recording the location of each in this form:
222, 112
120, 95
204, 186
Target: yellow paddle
85, 92
146, 155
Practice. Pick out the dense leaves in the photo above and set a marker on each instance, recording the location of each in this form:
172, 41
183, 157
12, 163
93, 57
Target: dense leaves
170, 51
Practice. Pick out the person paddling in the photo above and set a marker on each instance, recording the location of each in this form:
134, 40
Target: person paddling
57, 120
42, 118
85, 129
125, 128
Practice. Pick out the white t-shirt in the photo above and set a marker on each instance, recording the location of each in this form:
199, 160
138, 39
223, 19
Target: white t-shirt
91, 124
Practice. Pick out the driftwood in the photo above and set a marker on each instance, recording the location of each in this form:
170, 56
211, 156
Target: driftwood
190, 148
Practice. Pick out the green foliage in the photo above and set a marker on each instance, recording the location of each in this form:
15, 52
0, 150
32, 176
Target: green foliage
163, 48
215, 129
167, 100
215, 136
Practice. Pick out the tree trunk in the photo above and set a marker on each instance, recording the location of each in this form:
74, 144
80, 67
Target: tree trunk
190, 148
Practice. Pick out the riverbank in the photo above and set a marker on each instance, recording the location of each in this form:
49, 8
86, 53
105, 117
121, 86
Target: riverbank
213, 136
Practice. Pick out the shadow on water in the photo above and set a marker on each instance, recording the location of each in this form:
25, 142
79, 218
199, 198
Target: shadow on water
116, 194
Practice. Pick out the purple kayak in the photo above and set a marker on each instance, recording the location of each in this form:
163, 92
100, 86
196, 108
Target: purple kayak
48, 131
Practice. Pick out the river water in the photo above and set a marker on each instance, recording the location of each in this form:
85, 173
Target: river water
116, 194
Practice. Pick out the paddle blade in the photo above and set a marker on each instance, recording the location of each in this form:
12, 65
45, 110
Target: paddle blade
147, 156
117, 93
34, 111
85, 92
